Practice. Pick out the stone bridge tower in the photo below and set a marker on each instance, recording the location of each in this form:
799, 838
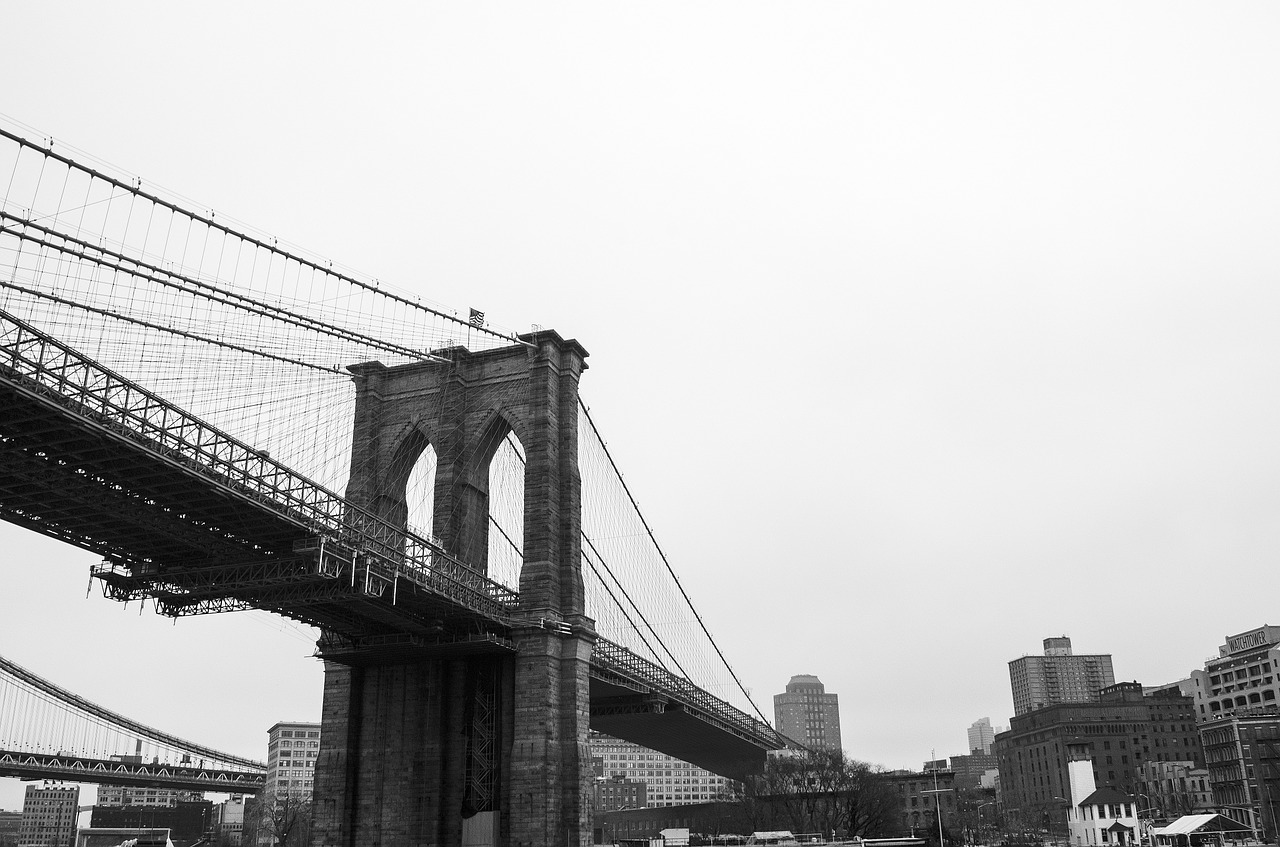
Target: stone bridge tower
447, 747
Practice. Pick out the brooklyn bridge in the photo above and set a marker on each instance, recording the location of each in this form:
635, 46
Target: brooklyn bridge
233, 424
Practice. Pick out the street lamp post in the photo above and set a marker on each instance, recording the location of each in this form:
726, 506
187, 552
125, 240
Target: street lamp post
1148, 835
981, 806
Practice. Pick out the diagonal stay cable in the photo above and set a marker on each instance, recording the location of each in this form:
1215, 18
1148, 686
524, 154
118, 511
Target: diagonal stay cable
503, 532
616, 582
621, 608
648, 625
670, 570
605, 585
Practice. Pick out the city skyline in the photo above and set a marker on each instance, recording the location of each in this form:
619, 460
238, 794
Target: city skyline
902, 323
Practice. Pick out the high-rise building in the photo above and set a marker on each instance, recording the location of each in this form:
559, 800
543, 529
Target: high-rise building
667, 781
806, 713
1058, 676
291, 759
292, 749
49, 816
981, 736
1244, 677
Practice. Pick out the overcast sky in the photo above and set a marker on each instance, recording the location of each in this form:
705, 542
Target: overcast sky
922, 331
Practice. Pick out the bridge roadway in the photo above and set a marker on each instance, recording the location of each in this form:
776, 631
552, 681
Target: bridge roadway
129, 770
185, 514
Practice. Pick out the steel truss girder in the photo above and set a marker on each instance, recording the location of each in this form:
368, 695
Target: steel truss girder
35, 364
212, 581
401, 648
128, 506
110, 772
320, 588
640, 704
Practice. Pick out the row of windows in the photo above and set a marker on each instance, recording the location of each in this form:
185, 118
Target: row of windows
1241, 673
294, 783
1255, 698
296, 763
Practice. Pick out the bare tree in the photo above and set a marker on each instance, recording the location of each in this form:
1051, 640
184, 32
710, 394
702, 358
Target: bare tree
821, 791
282, 821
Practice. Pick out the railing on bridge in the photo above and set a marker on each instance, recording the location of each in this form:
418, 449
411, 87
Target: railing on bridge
39, 364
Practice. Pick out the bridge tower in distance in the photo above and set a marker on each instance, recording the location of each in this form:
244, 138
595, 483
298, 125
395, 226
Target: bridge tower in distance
447, 742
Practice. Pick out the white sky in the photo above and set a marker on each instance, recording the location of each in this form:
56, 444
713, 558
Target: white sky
922, 330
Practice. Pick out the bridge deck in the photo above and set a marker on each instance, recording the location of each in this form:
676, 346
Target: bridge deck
138, 774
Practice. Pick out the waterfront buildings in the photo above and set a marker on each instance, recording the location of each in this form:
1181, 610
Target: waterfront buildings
611, 795
291, 759
922, 796
1242, 755
1121, 731
49, 815
667, 780
1173, 789
972, 770
1059, 676
1096, 816
10, 823
187, 823
806, 713
1246, 675
120, 795
229, 820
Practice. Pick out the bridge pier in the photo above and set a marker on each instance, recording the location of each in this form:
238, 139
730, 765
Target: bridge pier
459, 747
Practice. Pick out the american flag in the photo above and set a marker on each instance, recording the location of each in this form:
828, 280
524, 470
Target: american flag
477, 318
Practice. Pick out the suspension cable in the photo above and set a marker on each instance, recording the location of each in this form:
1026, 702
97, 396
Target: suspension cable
273, 248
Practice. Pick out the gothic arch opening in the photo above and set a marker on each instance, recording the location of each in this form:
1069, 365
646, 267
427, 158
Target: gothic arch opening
488, 517
506, 478
420, 494
407, 495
